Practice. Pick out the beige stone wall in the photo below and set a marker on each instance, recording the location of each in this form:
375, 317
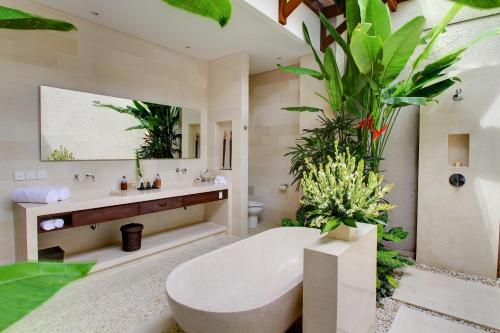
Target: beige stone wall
92, 59
272, 131
228, 105
458, 228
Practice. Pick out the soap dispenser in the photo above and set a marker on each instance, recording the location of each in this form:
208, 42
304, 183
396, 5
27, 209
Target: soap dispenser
124, 184
157, 181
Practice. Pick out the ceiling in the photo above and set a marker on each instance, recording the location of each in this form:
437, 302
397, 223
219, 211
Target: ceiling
249, 31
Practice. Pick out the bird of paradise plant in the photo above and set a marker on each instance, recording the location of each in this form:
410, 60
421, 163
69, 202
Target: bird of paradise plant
378, 81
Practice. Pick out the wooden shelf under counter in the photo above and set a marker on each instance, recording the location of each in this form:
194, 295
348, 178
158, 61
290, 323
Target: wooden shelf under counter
93, 208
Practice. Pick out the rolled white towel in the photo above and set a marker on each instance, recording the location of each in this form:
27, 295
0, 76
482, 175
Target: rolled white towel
47, 225
35, 195
58, 223
64, 192
220, 180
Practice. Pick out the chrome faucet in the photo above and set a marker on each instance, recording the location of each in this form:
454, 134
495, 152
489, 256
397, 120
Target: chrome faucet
90, 177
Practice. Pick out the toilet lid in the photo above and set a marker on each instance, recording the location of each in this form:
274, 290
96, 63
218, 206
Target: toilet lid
255, 204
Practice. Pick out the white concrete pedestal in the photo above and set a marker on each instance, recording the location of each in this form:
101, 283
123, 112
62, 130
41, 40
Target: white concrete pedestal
340, 284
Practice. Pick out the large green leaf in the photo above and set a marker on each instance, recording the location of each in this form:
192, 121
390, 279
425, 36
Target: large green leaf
302, 109
366, 49
377, 13
435, 89
307, 38
218, 10
353, 17
334, 80
483, 4
433, 70
301, 71
398, 49
395, 234
24, 286
15, 19
403, 101
434, 34
334, 33
330, 225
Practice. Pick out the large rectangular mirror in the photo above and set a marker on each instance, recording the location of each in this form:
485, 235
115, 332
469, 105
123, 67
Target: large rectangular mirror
82, 126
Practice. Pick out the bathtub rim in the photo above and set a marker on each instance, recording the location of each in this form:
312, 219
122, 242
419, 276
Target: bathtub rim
290, 285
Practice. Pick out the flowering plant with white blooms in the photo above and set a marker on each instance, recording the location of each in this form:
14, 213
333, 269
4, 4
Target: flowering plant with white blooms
340, 192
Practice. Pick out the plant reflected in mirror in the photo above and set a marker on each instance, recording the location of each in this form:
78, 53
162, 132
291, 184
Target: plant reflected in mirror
83, 126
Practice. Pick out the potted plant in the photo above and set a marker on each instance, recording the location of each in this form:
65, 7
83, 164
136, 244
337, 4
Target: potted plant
339, 194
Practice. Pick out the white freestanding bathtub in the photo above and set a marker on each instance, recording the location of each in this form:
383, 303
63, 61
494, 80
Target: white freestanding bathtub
254, 285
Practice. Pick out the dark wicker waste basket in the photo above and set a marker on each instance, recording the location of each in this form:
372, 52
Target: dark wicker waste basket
131, 236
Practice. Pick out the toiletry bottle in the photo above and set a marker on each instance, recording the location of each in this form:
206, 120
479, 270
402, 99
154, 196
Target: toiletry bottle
157, 183
124, 184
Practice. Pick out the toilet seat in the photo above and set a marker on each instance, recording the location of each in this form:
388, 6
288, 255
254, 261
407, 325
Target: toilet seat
255, 204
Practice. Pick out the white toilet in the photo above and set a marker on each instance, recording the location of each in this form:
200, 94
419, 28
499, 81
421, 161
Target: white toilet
254, 209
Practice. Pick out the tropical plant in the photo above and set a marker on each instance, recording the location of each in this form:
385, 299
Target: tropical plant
316, 145
25, 286
218, 10
339, 192
369, 90
15, 19
138, 165
161, 123
61, 154
389, 260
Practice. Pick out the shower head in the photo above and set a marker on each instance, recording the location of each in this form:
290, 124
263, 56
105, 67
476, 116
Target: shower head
458, 95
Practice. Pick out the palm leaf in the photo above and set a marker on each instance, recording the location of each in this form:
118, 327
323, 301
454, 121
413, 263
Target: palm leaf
365, 50
398, 49
483, 4
435, 89
218, 10
403, 101
333, 81
353, 17
15, 19
25, 286
307, 38
301, 71
302, 109
377, 13
434, 34
334, 33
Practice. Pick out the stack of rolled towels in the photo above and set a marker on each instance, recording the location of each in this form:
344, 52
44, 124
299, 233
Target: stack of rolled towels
46, 195
220, 180
52, 224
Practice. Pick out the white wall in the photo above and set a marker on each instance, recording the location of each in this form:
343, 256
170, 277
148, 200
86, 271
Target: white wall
401, 164
272, 130
294, 22
458, 228
228, 102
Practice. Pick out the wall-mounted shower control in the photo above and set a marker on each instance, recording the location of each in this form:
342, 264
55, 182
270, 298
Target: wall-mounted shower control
457, 180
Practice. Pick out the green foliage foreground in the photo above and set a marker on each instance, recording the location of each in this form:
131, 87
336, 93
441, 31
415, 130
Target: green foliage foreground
25, 286
15, 19
218, 10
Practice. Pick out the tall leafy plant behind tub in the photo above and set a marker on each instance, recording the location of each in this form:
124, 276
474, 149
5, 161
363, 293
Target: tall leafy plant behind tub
367, 97
371, 88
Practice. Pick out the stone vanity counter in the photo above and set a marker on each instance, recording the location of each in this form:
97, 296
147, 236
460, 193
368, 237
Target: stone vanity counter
92, 208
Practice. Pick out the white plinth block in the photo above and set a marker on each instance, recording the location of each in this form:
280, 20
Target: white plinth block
339, 292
